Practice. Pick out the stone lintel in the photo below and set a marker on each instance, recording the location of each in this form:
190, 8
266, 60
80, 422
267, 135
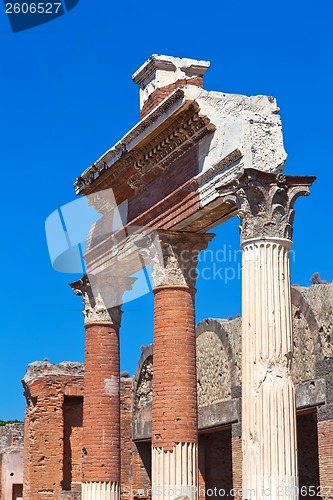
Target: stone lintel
309, 394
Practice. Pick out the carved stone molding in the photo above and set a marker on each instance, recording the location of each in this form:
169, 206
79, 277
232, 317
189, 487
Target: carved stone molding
102, 297
174, 257
184, 132
266, 202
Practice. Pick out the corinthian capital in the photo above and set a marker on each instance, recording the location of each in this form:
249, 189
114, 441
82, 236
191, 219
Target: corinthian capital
174, 256
266, 202
102, 297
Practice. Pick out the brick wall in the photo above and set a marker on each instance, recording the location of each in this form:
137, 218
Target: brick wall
101, 412
45, 439
51, 425
163, 183
135, 458
237, 456
325, 450
161, 93
175, 378
201, 467
218, 464
307, 443
73, 415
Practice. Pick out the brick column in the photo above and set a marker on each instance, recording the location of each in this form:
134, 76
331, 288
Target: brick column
101, 406
174, 407
268, 397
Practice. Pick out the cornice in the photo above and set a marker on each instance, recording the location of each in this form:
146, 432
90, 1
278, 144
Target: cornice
176, 100
183, 133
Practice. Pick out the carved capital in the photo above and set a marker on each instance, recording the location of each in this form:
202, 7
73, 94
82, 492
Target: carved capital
266, 202
102, 297
174, 257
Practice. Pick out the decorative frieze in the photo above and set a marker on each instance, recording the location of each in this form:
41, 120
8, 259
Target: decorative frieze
183, 133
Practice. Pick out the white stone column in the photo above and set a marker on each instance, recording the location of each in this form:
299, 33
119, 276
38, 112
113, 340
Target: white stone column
265, 208
100, 491
175, 472
268, 395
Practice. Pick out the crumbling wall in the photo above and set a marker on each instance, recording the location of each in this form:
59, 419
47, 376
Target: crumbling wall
11, 460
319, 296
135, 457
213, 371
47, 470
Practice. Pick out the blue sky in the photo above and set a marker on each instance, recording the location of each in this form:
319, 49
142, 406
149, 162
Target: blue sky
67, 96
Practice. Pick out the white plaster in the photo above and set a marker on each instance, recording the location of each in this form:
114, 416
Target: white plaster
111, 386
12, 471
100, 491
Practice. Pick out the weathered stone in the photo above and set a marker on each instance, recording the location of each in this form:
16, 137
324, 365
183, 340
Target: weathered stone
310, 393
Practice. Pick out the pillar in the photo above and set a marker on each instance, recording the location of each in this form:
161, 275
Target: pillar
101, 404
265, 204
174, 405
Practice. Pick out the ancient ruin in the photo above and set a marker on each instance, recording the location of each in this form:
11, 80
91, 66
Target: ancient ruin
212, 406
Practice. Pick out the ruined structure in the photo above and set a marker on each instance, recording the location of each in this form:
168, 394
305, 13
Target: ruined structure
11, 461
195, 159
53, 439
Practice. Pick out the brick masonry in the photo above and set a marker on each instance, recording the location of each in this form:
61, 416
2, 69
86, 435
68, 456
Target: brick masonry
161, 185
175, 378
325, 450
161, 93
101, 412
53, 423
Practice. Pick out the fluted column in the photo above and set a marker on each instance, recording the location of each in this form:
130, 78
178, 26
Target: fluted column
101, 406
266, 212
174, 405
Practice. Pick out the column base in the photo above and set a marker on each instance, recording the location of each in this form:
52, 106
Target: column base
100, 491
174, 472
271, 488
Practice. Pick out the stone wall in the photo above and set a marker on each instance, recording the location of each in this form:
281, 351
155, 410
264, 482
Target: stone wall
11, 461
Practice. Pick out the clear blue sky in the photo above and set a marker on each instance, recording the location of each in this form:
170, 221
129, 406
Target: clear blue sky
67, 96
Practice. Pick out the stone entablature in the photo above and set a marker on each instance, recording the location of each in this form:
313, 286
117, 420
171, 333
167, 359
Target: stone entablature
224, 133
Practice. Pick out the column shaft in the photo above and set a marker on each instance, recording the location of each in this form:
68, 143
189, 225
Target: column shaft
268, 396
174, 412
101, 410
101, 406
